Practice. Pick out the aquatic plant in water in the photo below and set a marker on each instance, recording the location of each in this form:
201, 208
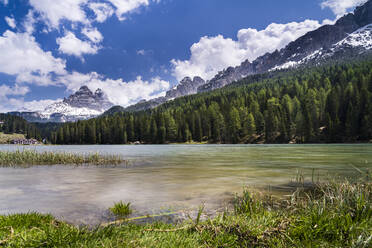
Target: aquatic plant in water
27, 158
121, 210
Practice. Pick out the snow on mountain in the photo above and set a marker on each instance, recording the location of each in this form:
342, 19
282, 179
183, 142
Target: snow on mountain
82, 105
360, 38
66, 109
358, 41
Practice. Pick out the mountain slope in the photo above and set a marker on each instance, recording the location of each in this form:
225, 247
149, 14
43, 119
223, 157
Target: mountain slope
349, 36
300, 50
186, 87
82, 105
327, 103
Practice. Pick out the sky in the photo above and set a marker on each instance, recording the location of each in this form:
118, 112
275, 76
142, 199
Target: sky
138, 49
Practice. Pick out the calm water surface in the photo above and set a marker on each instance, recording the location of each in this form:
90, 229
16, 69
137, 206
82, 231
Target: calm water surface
170, 177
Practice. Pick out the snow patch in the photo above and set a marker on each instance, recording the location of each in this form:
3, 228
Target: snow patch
360, 38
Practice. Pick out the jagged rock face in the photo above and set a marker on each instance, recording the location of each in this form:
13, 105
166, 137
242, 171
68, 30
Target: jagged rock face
84, 98
186, 87
228, 76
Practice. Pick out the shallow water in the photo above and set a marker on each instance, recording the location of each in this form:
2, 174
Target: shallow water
170, 177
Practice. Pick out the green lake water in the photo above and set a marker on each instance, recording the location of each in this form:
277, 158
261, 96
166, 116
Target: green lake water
170, 177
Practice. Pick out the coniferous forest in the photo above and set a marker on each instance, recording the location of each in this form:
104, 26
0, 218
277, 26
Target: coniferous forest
14, 124
326, 104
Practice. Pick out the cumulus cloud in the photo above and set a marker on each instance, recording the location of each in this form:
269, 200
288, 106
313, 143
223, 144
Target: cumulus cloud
11, 22
101, 10
53, 12
125, 6
71, 45
21, 56
19, 104
119, 92
93, 34
5, 2
340, 7
6, 90
213, 54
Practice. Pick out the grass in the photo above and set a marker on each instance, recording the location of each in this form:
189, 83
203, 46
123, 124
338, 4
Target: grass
333, 214
27, 158
7, 138
121, 210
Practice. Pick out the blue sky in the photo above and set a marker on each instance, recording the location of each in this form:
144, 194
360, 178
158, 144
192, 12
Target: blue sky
137, 49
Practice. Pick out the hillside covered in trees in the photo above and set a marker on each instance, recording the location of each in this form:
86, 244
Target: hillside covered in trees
329, 103
17, 125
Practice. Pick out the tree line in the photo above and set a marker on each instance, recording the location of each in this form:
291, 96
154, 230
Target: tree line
14, 124
331, 103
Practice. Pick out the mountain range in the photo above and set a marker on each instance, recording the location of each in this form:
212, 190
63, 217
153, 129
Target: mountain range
350, 36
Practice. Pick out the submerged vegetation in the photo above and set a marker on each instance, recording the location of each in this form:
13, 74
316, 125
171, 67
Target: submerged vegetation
328, 215
26, 158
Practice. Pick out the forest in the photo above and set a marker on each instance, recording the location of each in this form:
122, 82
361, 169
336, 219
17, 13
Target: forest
14, 124
325, 104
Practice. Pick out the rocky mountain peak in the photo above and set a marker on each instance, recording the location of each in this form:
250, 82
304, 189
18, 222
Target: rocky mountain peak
84, 98
99, 93
187, 86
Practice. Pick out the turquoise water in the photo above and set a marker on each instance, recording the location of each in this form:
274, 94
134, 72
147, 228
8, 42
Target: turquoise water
169, 177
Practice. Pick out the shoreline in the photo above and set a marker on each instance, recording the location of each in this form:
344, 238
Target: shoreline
331, 214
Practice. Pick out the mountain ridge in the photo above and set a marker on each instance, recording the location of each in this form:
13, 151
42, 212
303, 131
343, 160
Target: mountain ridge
296, 52
82, 105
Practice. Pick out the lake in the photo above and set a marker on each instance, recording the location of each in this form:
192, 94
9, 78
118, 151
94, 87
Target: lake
161, 178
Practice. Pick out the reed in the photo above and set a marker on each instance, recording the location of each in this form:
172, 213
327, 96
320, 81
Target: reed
27, 158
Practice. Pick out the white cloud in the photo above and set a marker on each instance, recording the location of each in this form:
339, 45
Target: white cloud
5, 2
341, 7
6, 91
19, 104
36, 105
93, 34
11, 22
119, 92
213, 54
22, 57
141, 52
102, 11
71, 45
17, 90
53, 12
125, 6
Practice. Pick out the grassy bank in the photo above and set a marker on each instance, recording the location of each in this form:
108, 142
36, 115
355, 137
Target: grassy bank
328, 215
27, 158
7, 138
